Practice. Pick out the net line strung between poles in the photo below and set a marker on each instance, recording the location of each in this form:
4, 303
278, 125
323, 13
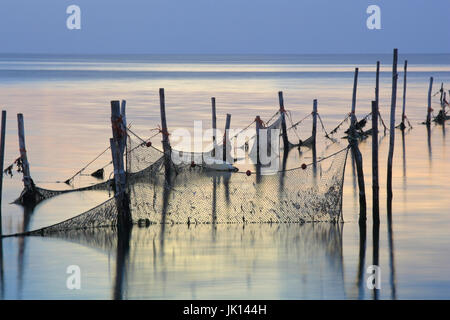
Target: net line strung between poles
107, 185
307, 193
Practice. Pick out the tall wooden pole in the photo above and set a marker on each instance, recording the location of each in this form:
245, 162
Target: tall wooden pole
441, 99
165, 133
283, 122
214, 125
430, 88
392, 126
118, 146
27, 181
314, 133
355, 87
375, 185
353, 140
2, 159
402, 125
226, 141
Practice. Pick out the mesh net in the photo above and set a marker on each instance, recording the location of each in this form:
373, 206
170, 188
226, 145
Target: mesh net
187, 194
163, 191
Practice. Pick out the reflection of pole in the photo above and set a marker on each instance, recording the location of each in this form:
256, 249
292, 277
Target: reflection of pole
123, 249
2, 159
355, 86
402, 125
375, 257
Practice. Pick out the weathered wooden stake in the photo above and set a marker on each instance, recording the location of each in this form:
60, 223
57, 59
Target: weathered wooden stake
355, 87
375, 185
225, 138
430, 88
402, 125
314, 132
377, 84
353, 140
283, 122
118, 146
392, 126
258, 127
165, 133
2, 158
214, 125
27, 181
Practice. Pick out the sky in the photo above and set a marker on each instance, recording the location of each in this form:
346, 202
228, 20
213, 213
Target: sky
224, 26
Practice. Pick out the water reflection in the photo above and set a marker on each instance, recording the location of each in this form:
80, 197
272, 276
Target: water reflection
391, 250
361, 260
298, 261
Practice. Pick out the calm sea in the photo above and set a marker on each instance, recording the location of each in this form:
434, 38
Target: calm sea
66, 104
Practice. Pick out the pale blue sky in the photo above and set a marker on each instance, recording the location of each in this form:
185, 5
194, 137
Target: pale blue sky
224, 26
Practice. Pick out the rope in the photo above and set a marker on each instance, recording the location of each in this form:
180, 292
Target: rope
323, 127
84, 168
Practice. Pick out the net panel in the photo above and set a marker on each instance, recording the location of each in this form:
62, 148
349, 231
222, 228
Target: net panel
187, 194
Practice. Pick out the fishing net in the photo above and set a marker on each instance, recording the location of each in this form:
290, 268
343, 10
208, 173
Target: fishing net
181, 188
194, 194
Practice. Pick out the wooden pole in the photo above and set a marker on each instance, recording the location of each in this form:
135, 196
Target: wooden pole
27, 181
283, 122
258, 127
402, 125
441, 99
355, 87
2, 159
118, 146
214, 125
225, 138
314, 132
430, 88
392, 126
353, 140
375, 185
165, 133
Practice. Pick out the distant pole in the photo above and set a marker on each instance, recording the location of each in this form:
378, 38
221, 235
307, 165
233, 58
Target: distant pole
392, 126
23, 154
377, 85
258, 127
402, 125
225, 138
442, 97
430, 88
314, 131
165, 133
355, 87
214, 125
375, 184
283, 122
2, 159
